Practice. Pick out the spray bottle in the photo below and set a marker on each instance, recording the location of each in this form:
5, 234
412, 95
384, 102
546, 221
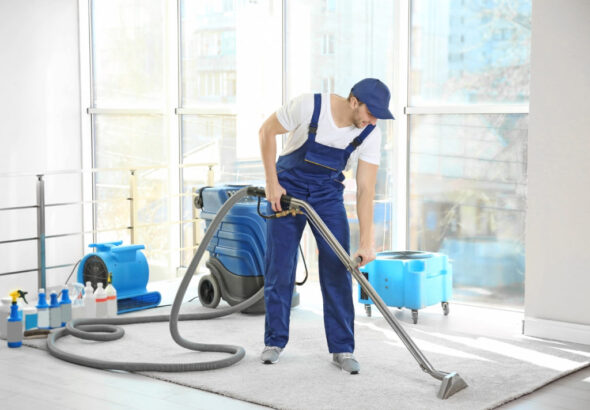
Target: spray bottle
101, 301
65, 306
14, 326
42, 311
111, 297
54, 312
89, 301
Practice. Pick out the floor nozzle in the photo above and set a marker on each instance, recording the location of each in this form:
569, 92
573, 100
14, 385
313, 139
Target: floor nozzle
451, 384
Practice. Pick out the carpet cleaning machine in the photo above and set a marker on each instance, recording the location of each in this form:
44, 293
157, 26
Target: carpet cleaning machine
104, 329
236, 250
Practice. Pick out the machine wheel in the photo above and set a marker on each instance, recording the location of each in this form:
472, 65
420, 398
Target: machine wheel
209, 292
414, 316
368, 310
445, 307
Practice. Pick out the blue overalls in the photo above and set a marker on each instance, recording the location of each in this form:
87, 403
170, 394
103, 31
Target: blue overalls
312, 173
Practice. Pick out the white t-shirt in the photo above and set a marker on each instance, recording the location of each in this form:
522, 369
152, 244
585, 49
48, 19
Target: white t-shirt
296, 115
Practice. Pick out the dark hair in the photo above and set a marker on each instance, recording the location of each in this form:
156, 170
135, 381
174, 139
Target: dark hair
352, 95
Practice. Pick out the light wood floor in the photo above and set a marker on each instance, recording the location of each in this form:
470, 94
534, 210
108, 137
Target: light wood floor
30, 377
570, 393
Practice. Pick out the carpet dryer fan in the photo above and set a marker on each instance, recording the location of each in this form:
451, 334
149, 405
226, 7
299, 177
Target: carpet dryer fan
130, 274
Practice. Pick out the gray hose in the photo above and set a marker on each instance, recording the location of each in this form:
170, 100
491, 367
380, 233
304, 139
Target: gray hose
103, 329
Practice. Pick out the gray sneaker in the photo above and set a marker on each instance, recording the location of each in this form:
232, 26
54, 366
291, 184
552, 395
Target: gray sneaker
270, 354
346, 362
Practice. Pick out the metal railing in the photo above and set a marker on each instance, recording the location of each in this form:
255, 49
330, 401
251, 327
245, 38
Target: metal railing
133, 197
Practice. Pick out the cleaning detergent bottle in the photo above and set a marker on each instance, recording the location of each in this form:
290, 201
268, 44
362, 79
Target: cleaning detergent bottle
111, 297
42, 311
14, 325
4, 313
65, 306
89, 301
101, 301
54, 312
77, 305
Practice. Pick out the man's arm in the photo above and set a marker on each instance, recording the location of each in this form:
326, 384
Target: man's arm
268, 149
366, 178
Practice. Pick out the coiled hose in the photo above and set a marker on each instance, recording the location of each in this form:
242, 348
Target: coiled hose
104, 329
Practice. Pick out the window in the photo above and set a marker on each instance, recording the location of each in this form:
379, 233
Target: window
153, 110
187, 114
129, 128
489, 67
230, 82
468, 142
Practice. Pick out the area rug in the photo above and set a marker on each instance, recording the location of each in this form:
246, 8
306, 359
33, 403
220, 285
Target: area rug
497, 370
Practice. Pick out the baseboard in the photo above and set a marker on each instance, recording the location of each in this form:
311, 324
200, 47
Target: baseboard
555, 330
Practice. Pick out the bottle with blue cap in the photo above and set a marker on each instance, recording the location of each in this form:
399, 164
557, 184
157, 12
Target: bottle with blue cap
65, 306
14, 325
54, 312
42, 311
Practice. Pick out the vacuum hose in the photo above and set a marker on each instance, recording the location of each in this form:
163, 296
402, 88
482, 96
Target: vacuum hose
104, 329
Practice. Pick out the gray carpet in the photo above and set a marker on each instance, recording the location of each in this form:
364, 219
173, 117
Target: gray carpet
496, 370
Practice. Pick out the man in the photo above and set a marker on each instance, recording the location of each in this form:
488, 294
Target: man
327, 134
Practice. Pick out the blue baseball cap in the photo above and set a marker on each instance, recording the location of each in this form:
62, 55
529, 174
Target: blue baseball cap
375, 95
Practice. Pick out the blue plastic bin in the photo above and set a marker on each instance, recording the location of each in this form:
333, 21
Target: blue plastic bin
409, 279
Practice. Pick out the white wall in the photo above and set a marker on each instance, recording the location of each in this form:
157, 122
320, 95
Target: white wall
39, 132
557, 286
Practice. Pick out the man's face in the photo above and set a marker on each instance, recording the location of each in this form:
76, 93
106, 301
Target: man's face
362, 116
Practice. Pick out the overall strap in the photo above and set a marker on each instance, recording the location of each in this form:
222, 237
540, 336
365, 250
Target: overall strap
359, 140
313, 125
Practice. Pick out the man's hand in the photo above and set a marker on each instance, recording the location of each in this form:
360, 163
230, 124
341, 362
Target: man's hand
367, 254
274, 191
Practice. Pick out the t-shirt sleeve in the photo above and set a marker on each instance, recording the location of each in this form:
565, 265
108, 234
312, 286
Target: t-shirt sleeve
370, 149
296, 112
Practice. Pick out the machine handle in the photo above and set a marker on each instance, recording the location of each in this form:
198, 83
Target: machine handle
259, 192
127, 248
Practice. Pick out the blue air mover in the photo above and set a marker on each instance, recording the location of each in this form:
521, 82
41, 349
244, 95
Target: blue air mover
236, 250
130, 274
410, 279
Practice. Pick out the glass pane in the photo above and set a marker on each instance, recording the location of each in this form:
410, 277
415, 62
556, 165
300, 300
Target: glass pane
468, 200
128, 56
465, 52
231, 66
123, 143
330, 46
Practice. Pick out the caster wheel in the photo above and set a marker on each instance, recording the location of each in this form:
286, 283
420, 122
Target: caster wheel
445, 307
368, 310
414, 316
209, 292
